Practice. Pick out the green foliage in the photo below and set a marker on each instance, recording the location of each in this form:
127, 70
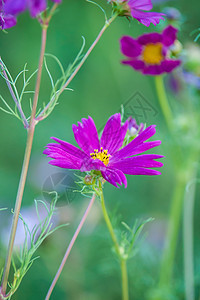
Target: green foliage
17, 96
59, 86
25, 258
89, 184
129, 237
196, 31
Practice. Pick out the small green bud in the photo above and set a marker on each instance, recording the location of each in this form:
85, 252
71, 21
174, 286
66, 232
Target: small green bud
88, 179
121, 8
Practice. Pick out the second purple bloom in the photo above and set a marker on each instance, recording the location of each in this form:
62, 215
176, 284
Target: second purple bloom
150, 53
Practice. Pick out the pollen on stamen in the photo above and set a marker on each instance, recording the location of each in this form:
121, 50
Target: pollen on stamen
102, 155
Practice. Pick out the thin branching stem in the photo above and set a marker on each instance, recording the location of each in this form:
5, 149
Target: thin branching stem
25, 166
26, 125
70, 247
42, 116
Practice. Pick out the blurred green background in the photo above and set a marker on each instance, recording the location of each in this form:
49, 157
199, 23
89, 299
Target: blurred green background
101, 86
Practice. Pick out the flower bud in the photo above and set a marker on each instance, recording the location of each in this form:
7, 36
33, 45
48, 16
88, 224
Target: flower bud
88, 179
121, 7
133, 128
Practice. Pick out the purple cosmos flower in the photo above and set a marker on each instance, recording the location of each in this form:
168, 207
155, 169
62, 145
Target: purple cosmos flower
150, 53
139, 10
107, 155
35, 7
6, 19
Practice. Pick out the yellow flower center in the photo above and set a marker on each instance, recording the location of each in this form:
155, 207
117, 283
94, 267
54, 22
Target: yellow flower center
102, 155
152, 54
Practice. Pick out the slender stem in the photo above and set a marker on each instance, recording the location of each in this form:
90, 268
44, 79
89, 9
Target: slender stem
188, 238
41, 116
176, 151
52, 11
164, 101
173, 230
109, 224
37, 88
26, 124
25, 166
124, 274
70, 247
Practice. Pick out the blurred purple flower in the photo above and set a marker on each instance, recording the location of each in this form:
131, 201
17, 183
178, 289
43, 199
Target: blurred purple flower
172, 13
192, 79
7, 20
139, 10
175, 83
149, 53
35, 7
106, 155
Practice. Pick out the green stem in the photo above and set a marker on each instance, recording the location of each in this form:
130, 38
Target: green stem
164, 101
24, 171
188, 236
124, 274
109, 224
173, 230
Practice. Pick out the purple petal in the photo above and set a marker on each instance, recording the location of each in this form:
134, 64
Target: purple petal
146, 146
144, 161
113, 134
130, 47
64, 163
2, 22
131, 148
62, 159
130, 170
168, 65
138, 65
36, 7
10, 21
146, 18
92, 164
86, 135
140, 4
169, 35
15, 7
153, 69
58, 154
114, 176
150, 38
69, 148
65, 155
